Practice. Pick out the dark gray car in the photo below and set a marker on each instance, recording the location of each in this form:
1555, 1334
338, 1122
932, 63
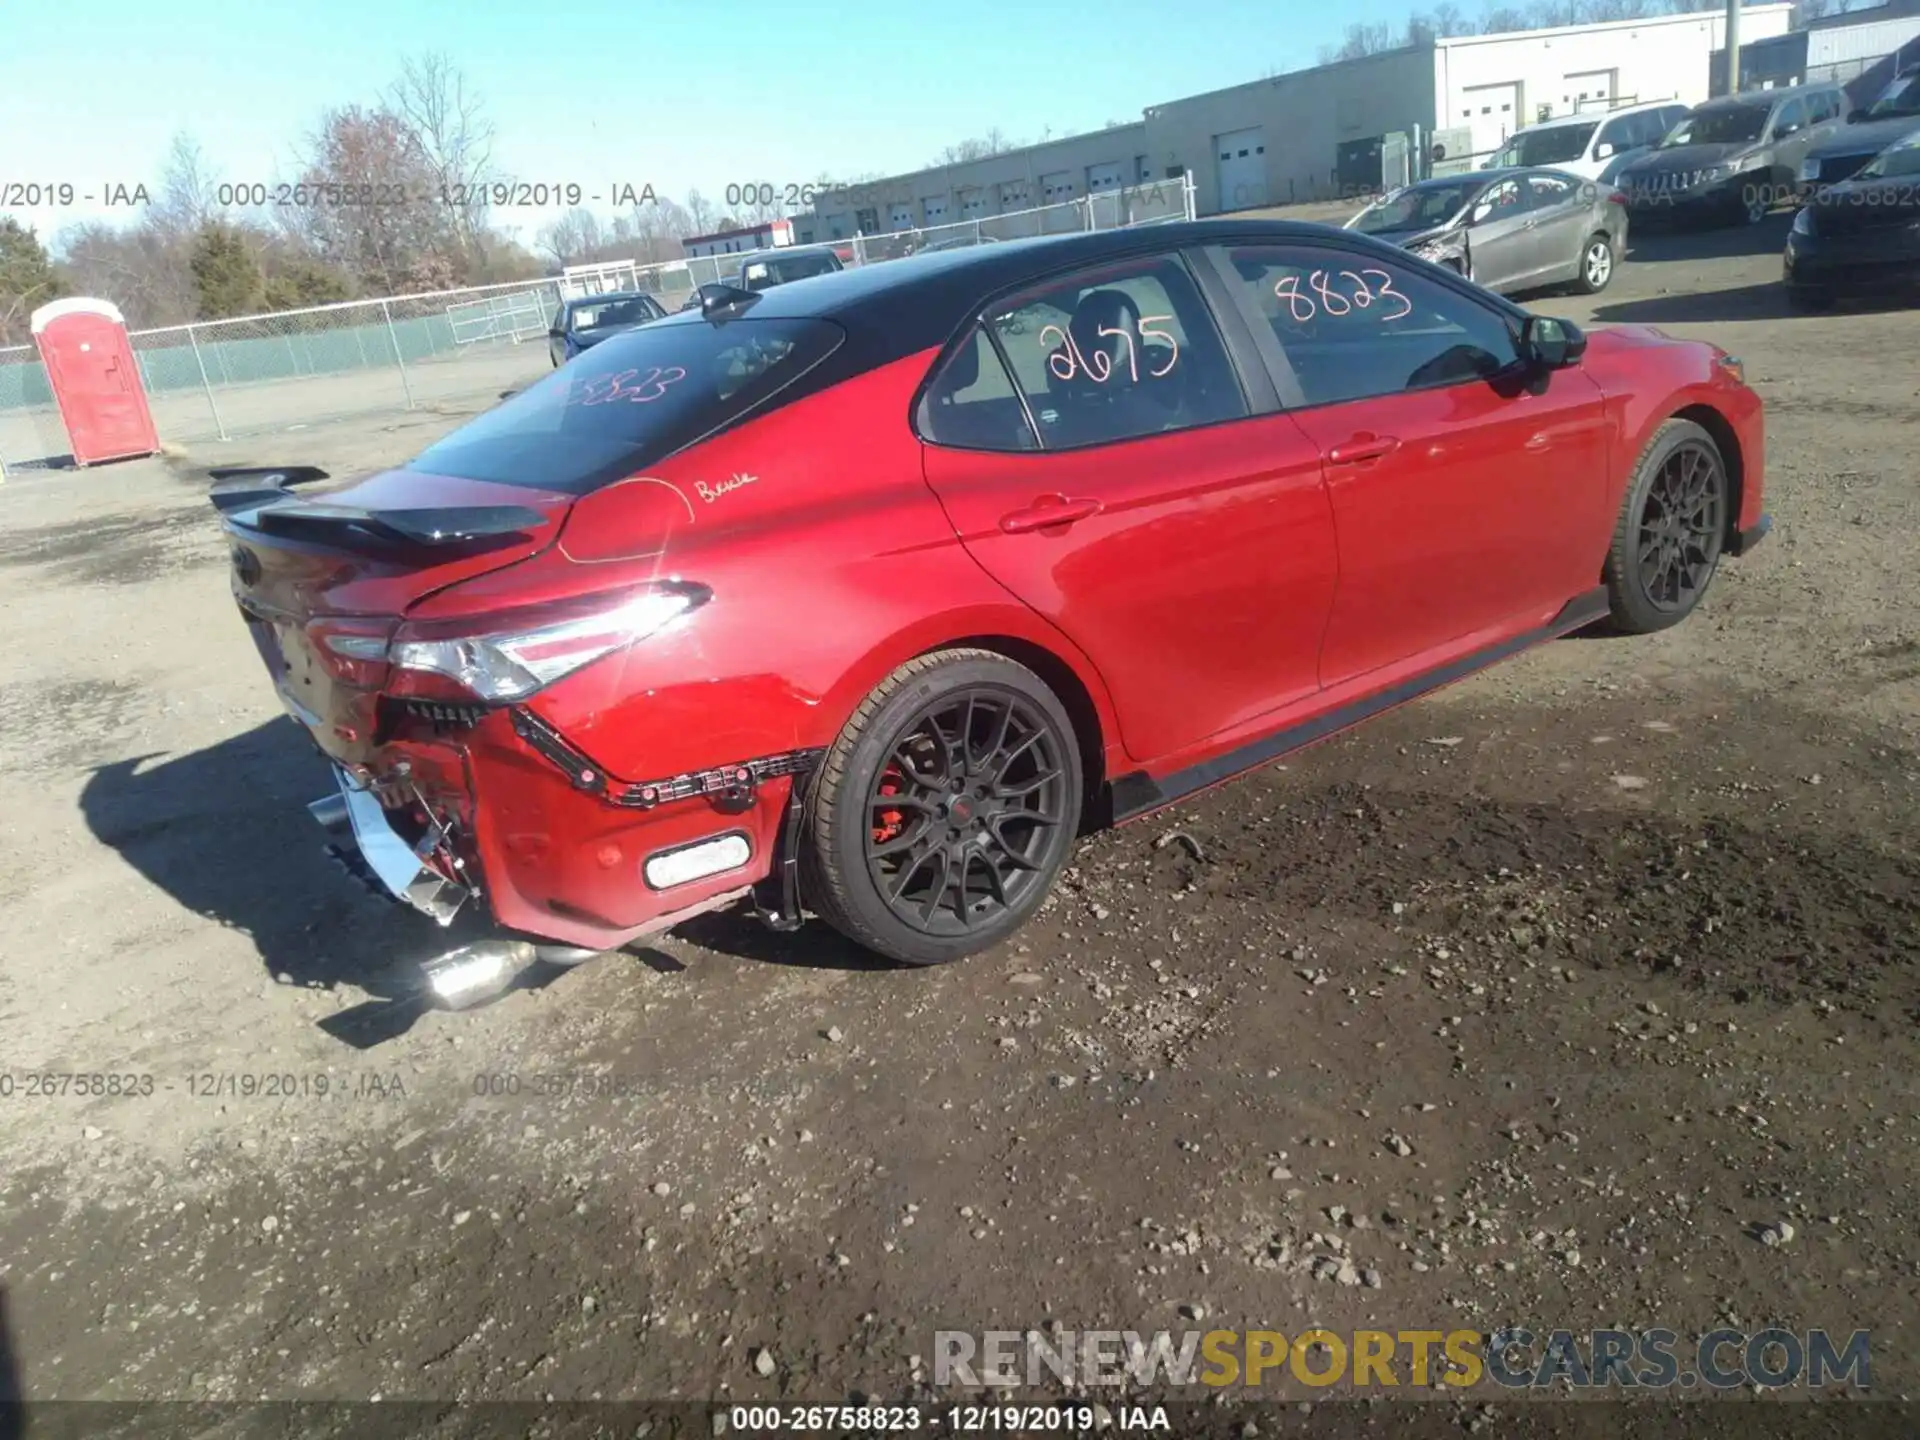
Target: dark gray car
1513, 229
1866, 133
1733, 158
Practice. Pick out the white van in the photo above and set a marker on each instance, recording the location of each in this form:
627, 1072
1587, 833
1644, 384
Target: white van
1593, 144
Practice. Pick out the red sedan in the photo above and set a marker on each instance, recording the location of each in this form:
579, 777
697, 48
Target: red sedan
866, 594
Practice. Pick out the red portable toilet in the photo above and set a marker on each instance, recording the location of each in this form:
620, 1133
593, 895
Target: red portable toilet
96, 383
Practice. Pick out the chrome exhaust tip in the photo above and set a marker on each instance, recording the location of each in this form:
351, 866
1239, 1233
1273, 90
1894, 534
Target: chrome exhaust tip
471, 975
331, 812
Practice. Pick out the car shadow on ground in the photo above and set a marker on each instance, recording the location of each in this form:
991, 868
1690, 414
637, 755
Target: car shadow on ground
225, 832
1659, 242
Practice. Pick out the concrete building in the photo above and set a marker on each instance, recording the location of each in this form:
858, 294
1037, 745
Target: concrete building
1862, 49
1307, 134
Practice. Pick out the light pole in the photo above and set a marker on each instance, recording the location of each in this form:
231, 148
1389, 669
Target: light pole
1733, 47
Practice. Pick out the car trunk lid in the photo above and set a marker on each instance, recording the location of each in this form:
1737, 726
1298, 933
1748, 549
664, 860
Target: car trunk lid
324, 578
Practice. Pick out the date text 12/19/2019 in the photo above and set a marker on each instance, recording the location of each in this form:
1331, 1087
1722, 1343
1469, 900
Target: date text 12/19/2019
1078, 1419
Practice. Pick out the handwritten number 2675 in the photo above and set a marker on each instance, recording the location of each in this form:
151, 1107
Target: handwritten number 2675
1323, 295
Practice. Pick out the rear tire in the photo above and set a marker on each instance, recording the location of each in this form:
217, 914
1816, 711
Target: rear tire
943, 814
1596, 264
1672, 527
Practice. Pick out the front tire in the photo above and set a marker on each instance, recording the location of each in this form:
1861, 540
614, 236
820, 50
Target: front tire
941, 817
1596, 264
1672, 527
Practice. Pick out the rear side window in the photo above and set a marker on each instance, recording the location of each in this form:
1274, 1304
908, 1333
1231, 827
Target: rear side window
1117, 353
632, 400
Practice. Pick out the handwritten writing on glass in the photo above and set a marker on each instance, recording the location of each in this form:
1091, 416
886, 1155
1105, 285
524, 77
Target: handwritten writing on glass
623, 386
1327, 299
1066, 361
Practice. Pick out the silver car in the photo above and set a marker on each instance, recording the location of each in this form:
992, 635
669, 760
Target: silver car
1511, 229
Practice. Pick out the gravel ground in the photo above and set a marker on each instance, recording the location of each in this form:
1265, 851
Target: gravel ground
1554, 999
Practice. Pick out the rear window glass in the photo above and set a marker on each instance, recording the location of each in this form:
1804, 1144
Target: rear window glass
632, 400
612, 312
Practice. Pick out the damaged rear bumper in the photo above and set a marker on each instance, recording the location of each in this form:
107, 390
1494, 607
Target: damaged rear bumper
382, 858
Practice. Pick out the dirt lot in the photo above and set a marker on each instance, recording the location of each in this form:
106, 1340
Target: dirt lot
1533, 1001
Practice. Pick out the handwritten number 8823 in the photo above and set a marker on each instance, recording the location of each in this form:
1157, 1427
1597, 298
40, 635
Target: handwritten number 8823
1322, 295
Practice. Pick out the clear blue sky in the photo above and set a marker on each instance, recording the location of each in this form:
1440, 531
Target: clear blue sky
617, 91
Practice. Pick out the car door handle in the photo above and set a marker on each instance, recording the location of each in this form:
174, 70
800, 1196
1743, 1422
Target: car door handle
1362, 450
1048, 511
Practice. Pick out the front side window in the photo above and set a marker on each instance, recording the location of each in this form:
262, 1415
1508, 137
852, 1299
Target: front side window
1619, 133
1498, 202
1353, 325
1792, 117
1902, 97
631, 400
1114, 354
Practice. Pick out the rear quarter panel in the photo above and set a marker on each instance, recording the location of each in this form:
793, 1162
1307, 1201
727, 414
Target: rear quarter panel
831, 563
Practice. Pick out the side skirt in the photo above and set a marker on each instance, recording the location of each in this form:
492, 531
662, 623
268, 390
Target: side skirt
1136, 793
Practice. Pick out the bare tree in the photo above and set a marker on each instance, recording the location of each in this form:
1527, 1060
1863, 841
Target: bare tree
575, 238
184, 202
1500, 19
979, 147
704, 214
1358, 41
382, 222
449, 125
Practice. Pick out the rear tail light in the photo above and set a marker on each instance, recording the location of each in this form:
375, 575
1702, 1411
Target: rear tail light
526, 651
353, 651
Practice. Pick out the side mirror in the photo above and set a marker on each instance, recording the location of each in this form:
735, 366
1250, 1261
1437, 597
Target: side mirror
1549, 343
1603, 150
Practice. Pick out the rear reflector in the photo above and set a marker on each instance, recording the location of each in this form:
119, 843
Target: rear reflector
688, 863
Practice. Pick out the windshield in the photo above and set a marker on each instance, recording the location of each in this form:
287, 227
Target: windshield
1418, 208
1724, 125
1902, 97
1554, 145
1900, 158
631, 400
612, 312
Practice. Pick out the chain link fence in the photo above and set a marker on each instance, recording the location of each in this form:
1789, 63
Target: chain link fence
447, 351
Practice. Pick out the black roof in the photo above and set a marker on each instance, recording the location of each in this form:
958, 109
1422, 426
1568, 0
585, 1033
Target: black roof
894, 308
1766, 97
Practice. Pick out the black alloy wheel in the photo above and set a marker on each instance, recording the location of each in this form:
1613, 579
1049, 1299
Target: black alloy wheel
943, 814
965, 809
1672, 528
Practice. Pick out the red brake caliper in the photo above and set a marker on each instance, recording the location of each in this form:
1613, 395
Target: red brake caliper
891, 822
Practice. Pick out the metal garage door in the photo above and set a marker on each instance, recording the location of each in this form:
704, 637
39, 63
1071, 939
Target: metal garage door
1588, 90
1056, 187
900, 217
972, 203
1014, 195
936, 208
1492, 112
1242, 160
1105, 177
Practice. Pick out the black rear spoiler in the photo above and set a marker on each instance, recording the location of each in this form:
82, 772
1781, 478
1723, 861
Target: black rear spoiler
259, 500
235, 488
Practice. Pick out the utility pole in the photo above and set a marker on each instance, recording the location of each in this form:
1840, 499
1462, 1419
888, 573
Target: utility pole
1733, 47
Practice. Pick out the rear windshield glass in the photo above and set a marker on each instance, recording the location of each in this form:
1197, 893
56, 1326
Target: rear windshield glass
611, 312
762, 273
1729, 125
1555, 145
631, 400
